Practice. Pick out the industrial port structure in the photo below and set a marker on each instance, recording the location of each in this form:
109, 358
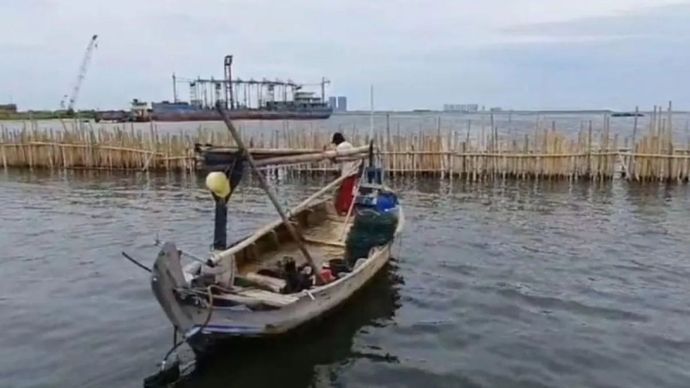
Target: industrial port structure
244, 99
244, 94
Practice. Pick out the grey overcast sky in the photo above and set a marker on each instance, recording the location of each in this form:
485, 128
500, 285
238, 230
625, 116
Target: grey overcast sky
521, 54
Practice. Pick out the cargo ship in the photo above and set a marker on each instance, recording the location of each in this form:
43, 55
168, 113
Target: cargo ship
304, 106
244, 99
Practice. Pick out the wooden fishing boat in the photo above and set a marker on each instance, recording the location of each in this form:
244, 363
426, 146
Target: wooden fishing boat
289, 272
241, 301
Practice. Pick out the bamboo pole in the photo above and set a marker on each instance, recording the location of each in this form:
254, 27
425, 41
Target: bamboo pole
669, 142
589, 152
548, 155
631, 160
269, 192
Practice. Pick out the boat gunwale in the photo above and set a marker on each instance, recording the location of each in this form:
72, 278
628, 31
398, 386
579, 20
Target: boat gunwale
246, 242
377, 250
319, 290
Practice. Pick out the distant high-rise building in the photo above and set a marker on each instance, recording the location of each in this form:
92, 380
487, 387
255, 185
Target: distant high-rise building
342, 104
332, 103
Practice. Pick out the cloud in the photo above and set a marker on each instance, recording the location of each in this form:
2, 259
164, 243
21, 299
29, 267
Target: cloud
521, 53
614, 61
669, 21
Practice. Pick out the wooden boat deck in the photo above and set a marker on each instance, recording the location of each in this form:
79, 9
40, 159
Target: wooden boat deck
322, 241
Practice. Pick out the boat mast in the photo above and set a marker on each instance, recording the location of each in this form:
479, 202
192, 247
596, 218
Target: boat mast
371, 112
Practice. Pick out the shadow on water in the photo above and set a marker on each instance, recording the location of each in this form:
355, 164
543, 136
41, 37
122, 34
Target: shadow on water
296, 360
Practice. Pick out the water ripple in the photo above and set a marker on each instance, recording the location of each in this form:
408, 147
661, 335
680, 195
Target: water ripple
519, 284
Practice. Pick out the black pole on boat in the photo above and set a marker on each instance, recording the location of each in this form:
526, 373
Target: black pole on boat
373, 172
222, 184
219, 185
220, 229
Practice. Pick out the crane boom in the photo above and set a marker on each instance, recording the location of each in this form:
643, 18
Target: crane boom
82, 73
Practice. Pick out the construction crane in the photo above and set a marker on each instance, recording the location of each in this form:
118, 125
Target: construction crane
80, 76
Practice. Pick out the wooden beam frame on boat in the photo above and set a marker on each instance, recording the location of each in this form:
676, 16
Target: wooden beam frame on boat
354, 153
297, 237
275, 159
228, 253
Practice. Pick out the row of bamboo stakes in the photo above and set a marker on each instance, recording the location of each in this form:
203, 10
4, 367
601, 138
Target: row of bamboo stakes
473, 154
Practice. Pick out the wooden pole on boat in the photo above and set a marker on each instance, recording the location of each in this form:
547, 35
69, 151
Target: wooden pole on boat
357, 152
274, 200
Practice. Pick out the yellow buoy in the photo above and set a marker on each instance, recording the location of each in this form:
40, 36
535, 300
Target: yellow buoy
218, 183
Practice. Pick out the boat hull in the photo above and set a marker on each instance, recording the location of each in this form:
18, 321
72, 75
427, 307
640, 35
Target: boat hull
204, 327
231, 326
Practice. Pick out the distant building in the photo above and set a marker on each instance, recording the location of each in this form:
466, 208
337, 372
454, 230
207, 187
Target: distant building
495, 109
465, 108
338, 104
342, 104
8, 108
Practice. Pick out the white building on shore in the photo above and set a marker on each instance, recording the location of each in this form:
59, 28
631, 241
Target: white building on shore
465, 108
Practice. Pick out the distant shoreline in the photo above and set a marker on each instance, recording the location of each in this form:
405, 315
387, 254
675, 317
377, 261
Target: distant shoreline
90, 115
507, 111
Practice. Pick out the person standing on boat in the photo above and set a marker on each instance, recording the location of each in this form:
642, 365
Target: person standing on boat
346, 192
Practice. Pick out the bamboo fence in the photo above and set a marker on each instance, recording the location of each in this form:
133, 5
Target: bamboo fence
546, 153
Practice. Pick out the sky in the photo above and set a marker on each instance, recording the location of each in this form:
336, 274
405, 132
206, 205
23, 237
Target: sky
517, 54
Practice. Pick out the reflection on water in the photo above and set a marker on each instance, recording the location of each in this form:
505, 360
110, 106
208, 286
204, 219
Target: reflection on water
528, 284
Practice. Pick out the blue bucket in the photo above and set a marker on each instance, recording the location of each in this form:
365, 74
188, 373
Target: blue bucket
386, 202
